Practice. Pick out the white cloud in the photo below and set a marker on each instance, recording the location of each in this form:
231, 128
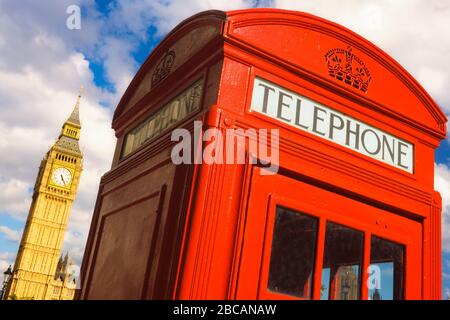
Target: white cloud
14, 197
12, 235
442, 184
137, 15
435, 79
118, 62
6, 259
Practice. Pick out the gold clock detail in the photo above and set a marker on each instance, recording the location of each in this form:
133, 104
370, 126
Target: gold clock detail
62, 177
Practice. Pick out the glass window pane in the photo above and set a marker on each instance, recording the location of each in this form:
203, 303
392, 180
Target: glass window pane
293, 251
386, 270
324, 286
342, 261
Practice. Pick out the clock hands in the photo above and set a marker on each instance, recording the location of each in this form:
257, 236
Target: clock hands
62, 177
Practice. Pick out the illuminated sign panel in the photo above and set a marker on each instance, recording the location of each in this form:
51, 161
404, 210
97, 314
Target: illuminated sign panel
166, 117
313, 117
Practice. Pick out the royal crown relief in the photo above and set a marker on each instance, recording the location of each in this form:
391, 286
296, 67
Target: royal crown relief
343, 65
163, 67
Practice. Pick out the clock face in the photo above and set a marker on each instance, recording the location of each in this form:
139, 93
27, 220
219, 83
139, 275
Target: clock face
61, 177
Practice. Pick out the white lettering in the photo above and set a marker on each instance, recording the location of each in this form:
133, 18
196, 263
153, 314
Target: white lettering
73, 21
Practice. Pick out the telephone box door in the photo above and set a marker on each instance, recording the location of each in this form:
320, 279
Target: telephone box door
302, 241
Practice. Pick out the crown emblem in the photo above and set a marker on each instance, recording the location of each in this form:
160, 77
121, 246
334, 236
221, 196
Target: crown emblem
345, 66
163, 67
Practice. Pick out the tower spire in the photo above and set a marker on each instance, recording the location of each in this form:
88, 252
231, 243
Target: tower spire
70, 132
74, 117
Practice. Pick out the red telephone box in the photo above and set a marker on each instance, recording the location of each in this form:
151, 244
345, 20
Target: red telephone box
350, 211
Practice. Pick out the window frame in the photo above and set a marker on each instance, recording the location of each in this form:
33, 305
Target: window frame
268, 192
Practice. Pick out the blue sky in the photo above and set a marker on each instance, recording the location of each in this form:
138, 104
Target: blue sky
44, 63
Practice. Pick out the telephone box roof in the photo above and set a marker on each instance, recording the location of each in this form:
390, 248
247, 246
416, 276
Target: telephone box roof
307, 45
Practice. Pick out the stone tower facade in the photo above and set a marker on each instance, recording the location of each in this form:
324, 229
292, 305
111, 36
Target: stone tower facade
40, 272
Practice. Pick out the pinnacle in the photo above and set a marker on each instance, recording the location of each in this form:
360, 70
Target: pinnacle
74, 117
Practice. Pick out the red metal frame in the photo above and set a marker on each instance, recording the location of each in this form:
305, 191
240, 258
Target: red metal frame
325, 206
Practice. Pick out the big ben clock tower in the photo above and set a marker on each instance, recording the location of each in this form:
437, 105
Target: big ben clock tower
39, 271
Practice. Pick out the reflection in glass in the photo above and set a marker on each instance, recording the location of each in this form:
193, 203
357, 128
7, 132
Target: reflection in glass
292, 254
342, 260
386, 270
324, 286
